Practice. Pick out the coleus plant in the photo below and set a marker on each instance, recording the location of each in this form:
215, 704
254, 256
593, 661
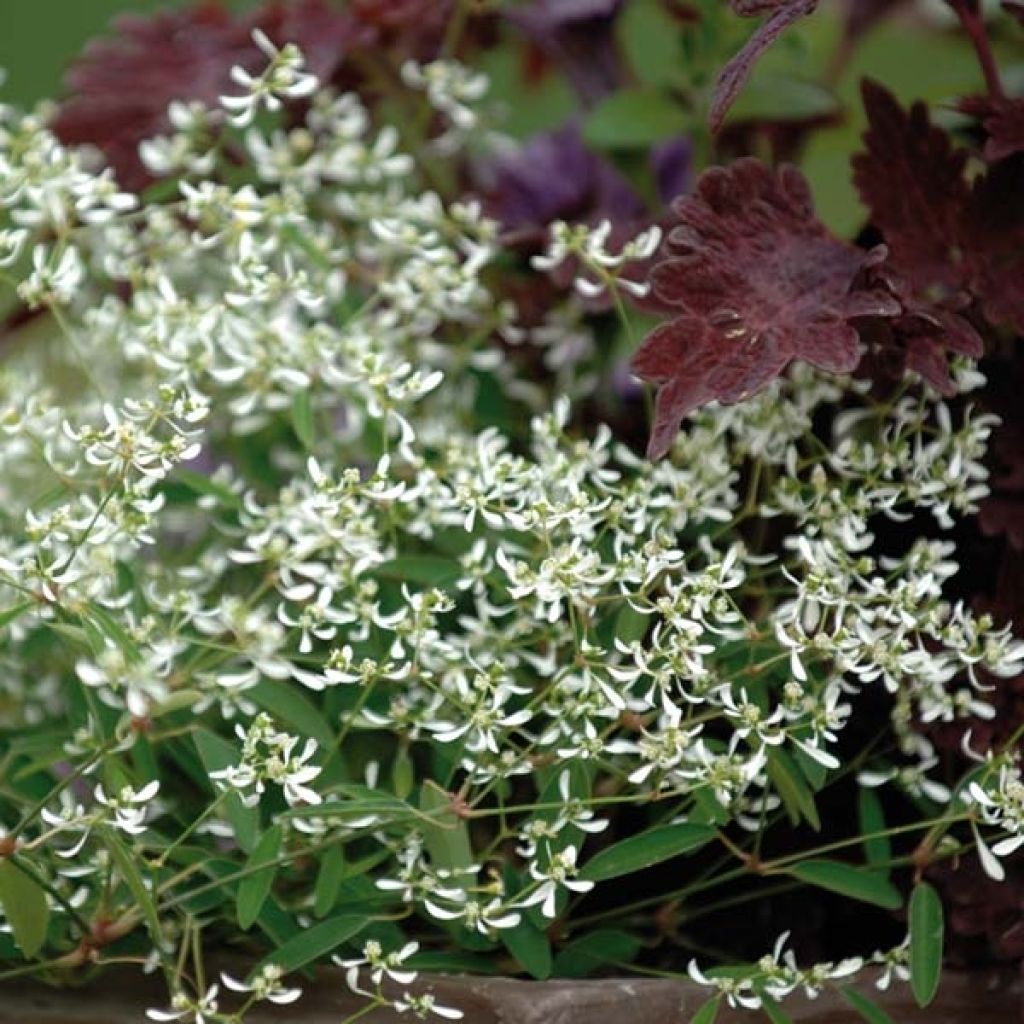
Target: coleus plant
372, 653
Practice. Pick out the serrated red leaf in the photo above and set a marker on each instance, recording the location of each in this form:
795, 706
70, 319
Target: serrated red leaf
943, 232
912, 180
757, 281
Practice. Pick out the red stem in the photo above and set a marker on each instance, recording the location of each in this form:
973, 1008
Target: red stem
970, 17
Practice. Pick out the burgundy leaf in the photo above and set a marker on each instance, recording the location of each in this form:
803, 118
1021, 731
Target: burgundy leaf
912, 180
122, 84
943, 232
756, 281
781, 14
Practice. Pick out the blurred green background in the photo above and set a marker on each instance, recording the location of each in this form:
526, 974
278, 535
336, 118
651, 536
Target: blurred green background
39, 38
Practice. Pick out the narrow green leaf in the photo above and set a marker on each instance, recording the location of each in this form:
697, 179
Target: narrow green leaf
445, 834
303, 420
877, 849
403, 776
866, 1007
591, 951
774, 1011
255, 888
707, 1012
926, 930
794, 792
857, 883
216, 754
114, 632
204, 486
128, 869
25, 907
313, 943
8, 615
639, 852
427, 570
328, 881
286, 702
531, 948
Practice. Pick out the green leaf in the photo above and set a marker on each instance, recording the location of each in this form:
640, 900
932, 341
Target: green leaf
707, 1012
774, 97
328, 881
8, 615
403, 774
926, 928
303, 420
866, 1007
531, 948
127, 867
595, 949
216, 754
255, 888
774, 1011
877, 848
857, 883
313, 943
630, 624
639, 852
114, 632
25, 907
651, 40
633, 119
789, 783
290, 705
427, 570
200, 484
445, 834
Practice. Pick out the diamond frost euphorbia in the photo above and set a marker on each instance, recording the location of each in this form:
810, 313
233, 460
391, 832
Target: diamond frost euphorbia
405, 669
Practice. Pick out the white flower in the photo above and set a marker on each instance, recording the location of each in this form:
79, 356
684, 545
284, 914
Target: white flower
184, 1008
283, 78
266, 985
128, 806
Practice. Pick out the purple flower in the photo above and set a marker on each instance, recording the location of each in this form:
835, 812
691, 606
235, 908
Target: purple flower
555, 177
577, 36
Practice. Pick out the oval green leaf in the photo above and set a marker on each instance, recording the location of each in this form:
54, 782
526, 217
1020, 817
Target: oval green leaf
25, 907
639, 852
255, 888
531, 948
857, 883
926, 930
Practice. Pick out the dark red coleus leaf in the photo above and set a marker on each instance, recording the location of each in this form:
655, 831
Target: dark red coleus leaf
1003, 122
912, 180
781, 14
122, 84
755, 281
943, 232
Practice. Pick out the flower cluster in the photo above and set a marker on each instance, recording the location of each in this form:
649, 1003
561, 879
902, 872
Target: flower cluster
403, 665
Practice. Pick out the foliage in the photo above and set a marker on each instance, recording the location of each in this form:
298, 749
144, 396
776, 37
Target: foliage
342, 620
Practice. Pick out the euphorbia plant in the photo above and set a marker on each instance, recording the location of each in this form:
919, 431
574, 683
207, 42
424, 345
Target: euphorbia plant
331, 634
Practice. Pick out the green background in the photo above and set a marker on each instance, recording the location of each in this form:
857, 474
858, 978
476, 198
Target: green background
39, 38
